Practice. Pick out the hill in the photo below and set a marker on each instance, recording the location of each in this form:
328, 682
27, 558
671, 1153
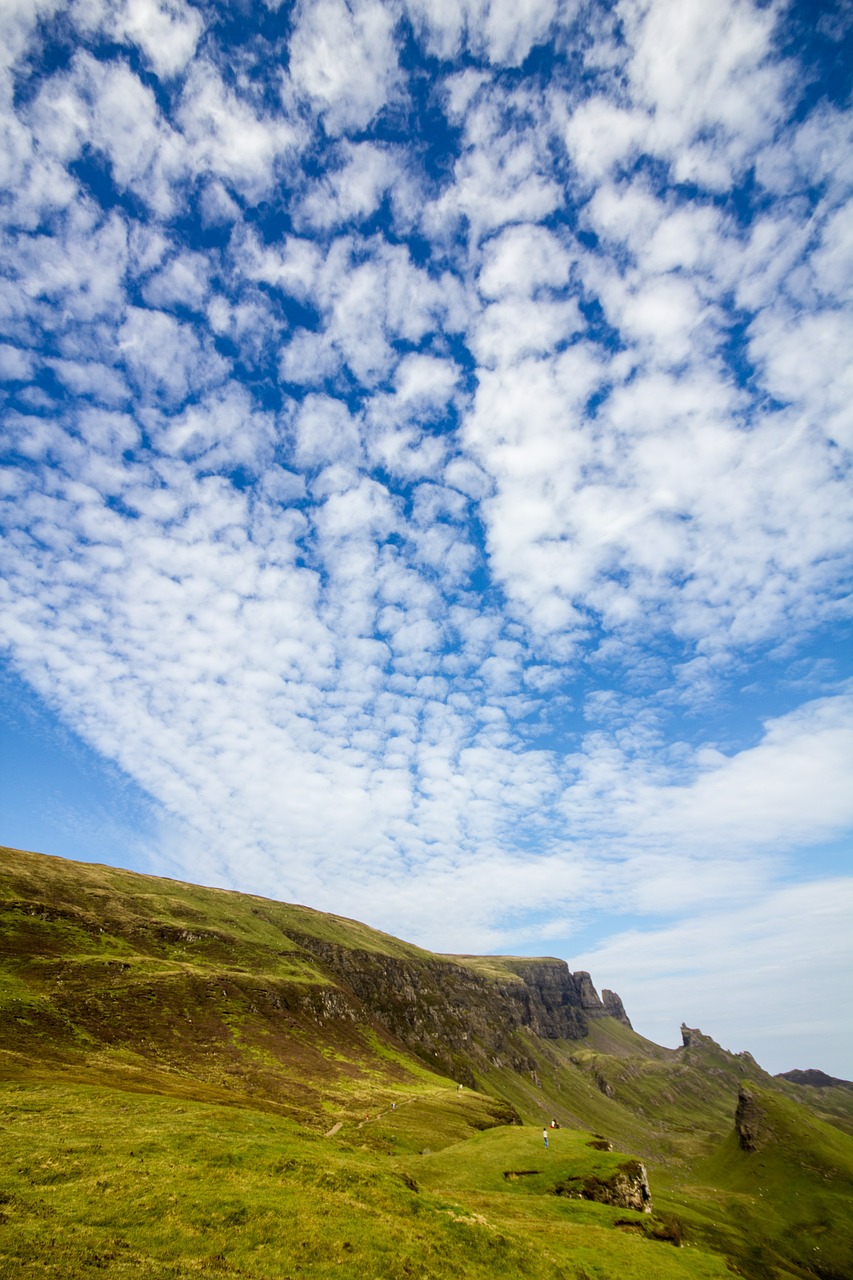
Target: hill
127, 975
278, 1089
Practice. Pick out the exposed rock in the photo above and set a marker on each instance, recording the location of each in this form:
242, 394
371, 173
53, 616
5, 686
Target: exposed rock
552, 1006
693, 1038
604, 1085
750, 1121
614, 1007
690, 1036
628, 1188
590, 1001
453, 1017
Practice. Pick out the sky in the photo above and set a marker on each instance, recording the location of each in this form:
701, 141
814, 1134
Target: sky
426, 430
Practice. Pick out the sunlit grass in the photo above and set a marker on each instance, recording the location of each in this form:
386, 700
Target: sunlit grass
130, 1185
172, 1060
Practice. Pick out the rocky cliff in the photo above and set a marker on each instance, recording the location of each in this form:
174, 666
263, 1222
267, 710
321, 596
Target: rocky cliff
455, 1018
614, 1007
227, 988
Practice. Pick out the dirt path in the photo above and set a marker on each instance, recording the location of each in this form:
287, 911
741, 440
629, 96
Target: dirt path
387, 1112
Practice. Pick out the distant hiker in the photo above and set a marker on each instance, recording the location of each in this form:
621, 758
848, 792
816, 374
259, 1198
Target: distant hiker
554, 1124
545, 1137
459, 1088
393, 1106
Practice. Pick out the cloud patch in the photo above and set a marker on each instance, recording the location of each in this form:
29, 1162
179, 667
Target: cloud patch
427, 433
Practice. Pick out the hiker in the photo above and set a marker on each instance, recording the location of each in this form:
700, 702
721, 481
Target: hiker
545, 1137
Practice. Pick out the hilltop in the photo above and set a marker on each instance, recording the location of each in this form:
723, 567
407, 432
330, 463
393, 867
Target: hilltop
124, 974
290, 1092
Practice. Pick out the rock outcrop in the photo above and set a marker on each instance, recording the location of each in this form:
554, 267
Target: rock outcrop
628, 1188
456, 1019
590, 1001
614, 1007
749, 1120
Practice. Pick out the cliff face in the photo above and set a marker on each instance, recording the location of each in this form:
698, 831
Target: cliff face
750, 1121
614, 1007
456, 1019
221, 986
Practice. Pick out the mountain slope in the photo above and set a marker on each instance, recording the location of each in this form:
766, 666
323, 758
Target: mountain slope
130, 973
214, 1004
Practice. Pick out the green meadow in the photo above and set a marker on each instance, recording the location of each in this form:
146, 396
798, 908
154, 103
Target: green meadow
97, 1179
197, 1083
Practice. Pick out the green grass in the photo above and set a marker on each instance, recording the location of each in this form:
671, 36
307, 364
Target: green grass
203, 921
487, 1159
172, 1056
128, 1185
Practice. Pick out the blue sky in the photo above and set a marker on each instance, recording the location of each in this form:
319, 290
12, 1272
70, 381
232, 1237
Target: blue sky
428, 429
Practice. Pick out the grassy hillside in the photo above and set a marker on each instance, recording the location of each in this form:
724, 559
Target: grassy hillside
133, 1185
201, 1082
130, 979
782, 1209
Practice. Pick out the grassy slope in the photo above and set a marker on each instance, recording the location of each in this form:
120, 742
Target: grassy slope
137, 1186
795, 1189
131, 979
199, 997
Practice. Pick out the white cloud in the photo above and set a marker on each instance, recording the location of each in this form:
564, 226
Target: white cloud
600, 133
832, 261
707, 78
182, 281
522, 260
355, 189
217, 206
432, 584
227, 137
325, 432
19, 21
661, 497
167, 31
343, 56
167, 358
425, 380
499, 179
371, 295
801, 359
71, 279
91, 378
498, 30
786, 792
15, 364
309, 359
704, 90
815, 153
508, 331
108, 108
223, 430
754, 976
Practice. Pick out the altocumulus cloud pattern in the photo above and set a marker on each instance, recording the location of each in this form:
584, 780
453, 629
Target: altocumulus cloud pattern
429, 430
